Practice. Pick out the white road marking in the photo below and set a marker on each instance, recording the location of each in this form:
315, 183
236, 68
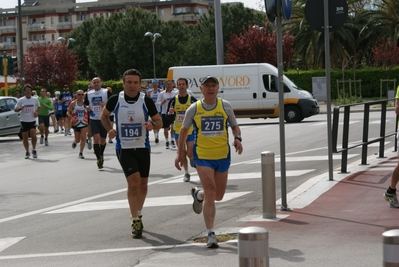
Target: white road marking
246, 175
75, 253
8, 242
149, 202
305, 158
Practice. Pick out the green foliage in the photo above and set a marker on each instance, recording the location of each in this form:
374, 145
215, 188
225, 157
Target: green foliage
370, 77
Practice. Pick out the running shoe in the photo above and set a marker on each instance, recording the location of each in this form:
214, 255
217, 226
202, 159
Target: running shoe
136, 228
56, 129
141, 220
156, 140
100, 162
73, 145
110, 141
81, 155
391, 199
41, 139
27, 155
197, 205
89, 145
34, 153
62, 131
173, 144
69, 132
167, 145
186, 177
66, 132
46, 142
212, 241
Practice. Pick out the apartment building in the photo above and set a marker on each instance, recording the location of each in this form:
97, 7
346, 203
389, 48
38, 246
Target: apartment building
45, 21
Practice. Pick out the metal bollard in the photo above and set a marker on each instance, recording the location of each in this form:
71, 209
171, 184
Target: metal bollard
390, 240
253, 247
268, 185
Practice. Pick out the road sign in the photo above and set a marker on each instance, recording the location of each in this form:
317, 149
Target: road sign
337, 14
287, 8
270, 6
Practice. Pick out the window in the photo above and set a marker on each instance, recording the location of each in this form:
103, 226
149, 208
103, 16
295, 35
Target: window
161, 12
180, 10
270, 83
200, 10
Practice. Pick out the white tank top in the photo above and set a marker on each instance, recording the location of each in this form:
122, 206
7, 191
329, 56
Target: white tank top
129, 121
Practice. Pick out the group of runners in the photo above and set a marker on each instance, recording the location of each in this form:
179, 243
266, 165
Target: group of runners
200, 132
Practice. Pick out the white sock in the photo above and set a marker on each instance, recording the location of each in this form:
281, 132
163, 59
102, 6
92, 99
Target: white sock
208, 231
198, 196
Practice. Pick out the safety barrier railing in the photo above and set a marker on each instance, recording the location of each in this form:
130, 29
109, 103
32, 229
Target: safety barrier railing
346, 111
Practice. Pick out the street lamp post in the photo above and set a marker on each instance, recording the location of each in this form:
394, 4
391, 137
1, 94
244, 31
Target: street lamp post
153, 38
69, 40
45, 26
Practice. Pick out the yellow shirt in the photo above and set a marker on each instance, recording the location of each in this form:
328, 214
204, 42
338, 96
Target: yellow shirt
180, 111
211, 132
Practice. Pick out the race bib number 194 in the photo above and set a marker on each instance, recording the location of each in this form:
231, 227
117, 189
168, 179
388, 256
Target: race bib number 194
131, 130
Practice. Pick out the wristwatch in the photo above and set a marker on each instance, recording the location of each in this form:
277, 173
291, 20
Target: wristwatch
238, 138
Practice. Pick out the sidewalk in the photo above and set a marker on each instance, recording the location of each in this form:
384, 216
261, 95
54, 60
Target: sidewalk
340, 227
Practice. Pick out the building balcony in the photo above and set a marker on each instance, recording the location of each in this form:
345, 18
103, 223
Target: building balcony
30, 43
8, 29
8, 45
64, 25
35, 27
186, 17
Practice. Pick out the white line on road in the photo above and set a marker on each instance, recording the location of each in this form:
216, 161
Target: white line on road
75, 253
149, 202
247, 175
8, 242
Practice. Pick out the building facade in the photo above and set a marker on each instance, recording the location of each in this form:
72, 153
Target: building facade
45, 21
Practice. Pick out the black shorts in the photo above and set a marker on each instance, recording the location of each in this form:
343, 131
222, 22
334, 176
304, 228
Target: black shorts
97, 128
167, 120
26, 126
111, 118
64, 114
58, 116
77, 129
134, 160
45, 120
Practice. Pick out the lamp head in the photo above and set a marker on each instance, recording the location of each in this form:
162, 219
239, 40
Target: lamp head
148, 34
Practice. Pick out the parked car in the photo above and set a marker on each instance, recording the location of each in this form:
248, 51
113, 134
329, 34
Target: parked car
9, 119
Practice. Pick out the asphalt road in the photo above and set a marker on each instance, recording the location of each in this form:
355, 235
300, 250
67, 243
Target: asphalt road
59, 210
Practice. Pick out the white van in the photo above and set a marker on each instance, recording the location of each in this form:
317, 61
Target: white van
251, 89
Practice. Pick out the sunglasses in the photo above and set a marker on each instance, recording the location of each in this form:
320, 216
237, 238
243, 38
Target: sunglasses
79, 94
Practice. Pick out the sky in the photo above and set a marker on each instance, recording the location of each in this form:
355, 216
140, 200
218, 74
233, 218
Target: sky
247, 3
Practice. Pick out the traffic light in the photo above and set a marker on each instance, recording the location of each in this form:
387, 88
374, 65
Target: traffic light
12, 65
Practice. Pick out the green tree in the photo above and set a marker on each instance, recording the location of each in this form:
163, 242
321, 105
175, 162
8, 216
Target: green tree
100, 49
131, 48
82, 36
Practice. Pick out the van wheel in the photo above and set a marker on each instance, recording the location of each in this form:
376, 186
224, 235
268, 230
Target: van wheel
292, 114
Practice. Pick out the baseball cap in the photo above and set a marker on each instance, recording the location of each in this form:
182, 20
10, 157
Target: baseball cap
209, 77
154, 81
66, 86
